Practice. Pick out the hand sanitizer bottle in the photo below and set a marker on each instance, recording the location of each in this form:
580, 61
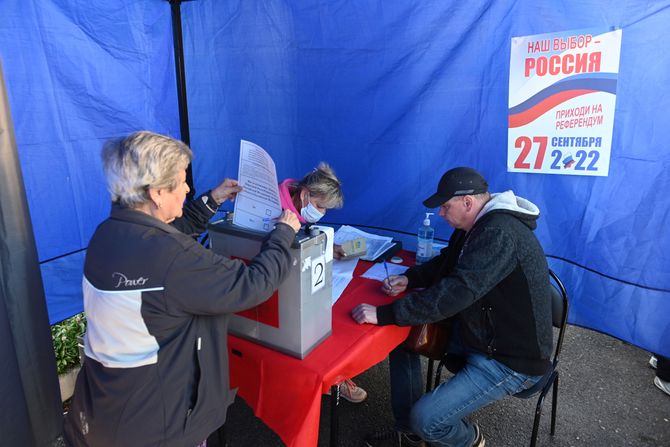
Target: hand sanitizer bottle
424, 248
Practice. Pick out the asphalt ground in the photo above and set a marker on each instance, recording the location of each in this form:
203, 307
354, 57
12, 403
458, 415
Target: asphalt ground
607, 398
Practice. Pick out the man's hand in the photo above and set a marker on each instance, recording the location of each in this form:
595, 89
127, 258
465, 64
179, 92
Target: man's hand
365, 313
289, 218
394, 284
338, 251
228, 189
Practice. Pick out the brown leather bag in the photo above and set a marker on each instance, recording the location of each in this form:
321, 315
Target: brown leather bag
430, 339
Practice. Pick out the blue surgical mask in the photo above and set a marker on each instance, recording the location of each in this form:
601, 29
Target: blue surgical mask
310, 213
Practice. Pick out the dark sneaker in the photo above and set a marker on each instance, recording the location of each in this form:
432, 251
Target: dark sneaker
662, 385
479, 437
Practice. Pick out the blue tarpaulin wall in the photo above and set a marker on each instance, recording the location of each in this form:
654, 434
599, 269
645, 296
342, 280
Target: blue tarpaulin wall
391, 94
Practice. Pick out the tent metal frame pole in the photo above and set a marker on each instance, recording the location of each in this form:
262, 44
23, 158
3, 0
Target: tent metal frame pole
178, 43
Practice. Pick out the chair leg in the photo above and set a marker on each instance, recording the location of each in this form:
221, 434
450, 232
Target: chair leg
429, 376
438, 374
536, 421
554, 402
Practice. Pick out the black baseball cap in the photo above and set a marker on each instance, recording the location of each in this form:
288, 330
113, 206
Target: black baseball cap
457, 182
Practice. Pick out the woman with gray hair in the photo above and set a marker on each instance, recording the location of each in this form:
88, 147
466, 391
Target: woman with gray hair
157, 304
317, 192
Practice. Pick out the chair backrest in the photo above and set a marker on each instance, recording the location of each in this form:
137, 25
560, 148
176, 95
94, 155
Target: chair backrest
559, 311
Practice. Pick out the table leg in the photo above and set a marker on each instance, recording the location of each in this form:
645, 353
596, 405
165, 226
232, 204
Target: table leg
334, 403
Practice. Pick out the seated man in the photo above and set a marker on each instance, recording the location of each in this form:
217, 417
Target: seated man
493, 277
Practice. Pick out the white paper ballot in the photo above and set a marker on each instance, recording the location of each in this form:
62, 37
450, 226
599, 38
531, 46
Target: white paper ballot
378, 271
257, 206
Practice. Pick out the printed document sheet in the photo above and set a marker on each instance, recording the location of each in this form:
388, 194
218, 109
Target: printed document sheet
376, 244
343, 272
257, 206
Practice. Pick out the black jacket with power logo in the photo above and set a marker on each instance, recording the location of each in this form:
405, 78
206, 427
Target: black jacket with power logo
496, 279
157, 305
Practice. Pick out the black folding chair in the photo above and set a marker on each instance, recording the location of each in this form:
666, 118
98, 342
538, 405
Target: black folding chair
559, 312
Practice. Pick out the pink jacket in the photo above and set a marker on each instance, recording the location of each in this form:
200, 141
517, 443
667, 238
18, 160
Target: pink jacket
286, 200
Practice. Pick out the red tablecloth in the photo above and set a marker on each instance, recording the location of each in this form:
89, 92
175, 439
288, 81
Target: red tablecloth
285, 392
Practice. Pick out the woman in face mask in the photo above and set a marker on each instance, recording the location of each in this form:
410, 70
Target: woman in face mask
310, 198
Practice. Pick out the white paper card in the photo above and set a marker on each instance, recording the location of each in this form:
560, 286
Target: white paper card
257, 206
318, 274
378, 272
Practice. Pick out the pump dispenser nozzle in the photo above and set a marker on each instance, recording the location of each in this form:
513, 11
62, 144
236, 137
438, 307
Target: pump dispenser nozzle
426, 221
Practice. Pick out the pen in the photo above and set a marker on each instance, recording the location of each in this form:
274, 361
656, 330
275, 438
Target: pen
387, 277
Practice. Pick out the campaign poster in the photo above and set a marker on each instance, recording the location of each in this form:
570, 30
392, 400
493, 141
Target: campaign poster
562, 97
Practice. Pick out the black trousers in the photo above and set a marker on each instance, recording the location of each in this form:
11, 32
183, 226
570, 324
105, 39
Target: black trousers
218, 438
663, 368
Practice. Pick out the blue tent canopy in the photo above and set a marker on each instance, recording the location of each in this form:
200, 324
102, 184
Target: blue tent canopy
391, 94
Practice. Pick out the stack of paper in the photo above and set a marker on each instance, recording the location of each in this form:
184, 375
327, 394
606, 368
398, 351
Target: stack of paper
376, 244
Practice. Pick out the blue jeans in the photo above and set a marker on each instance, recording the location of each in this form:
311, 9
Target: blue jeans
438, 416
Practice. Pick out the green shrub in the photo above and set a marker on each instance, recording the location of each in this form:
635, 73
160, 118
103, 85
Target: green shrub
64, 336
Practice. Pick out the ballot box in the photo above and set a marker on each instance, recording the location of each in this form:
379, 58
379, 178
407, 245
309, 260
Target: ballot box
297, 317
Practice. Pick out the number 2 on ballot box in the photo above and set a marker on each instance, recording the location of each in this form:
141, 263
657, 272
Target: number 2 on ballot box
318, 274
